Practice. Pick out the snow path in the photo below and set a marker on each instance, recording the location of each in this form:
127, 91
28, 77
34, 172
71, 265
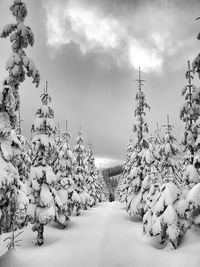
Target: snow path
103, 236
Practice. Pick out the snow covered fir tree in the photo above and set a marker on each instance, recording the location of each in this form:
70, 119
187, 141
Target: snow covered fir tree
81, 174
65, 175
122, 186
46, 205
102, 189
163, 216
190, 114
134, 169
91, 180
13, 196
95, 183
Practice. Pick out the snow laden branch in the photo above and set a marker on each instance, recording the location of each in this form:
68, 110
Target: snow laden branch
21, 36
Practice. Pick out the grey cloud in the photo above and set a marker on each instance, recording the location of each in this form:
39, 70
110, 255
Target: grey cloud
133, 33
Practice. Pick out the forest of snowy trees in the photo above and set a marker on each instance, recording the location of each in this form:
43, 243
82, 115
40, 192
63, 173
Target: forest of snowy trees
160, 184
45, 180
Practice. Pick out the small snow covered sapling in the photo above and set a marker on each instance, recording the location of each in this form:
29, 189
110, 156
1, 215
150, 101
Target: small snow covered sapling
13, 241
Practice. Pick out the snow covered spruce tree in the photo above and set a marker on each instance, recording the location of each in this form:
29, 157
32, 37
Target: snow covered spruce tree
95, 183
153, 180
102, 191
167, 216
24, 160
151, 160
189, 114
170, 168
46, 205
13, 199
82, 197
91, 179
123, 183
137, 171
65, 176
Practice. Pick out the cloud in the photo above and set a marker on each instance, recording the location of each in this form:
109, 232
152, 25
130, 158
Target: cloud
133, 33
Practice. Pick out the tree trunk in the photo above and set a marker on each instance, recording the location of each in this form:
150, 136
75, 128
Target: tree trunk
39, 228
40, 237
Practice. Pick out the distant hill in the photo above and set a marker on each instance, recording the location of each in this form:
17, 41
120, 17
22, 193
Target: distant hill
105, 163
113, 171
111, 176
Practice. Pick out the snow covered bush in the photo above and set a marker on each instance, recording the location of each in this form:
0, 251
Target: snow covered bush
13, 199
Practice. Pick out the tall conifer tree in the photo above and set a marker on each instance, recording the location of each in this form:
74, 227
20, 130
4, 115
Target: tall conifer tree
137, 172
45, 202
12, 192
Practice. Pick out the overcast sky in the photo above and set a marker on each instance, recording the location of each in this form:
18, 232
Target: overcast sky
90, 50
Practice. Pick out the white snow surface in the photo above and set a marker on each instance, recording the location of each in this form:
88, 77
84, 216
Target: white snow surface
103, 236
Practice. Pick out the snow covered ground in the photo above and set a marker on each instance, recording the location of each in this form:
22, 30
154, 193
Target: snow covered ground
103, 236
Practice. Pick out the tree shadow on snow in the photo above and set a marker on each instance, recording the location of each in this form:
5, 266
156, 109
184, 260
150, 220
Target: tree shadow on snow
133, 219
192, 236
59, 227
154, 241
48, 241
